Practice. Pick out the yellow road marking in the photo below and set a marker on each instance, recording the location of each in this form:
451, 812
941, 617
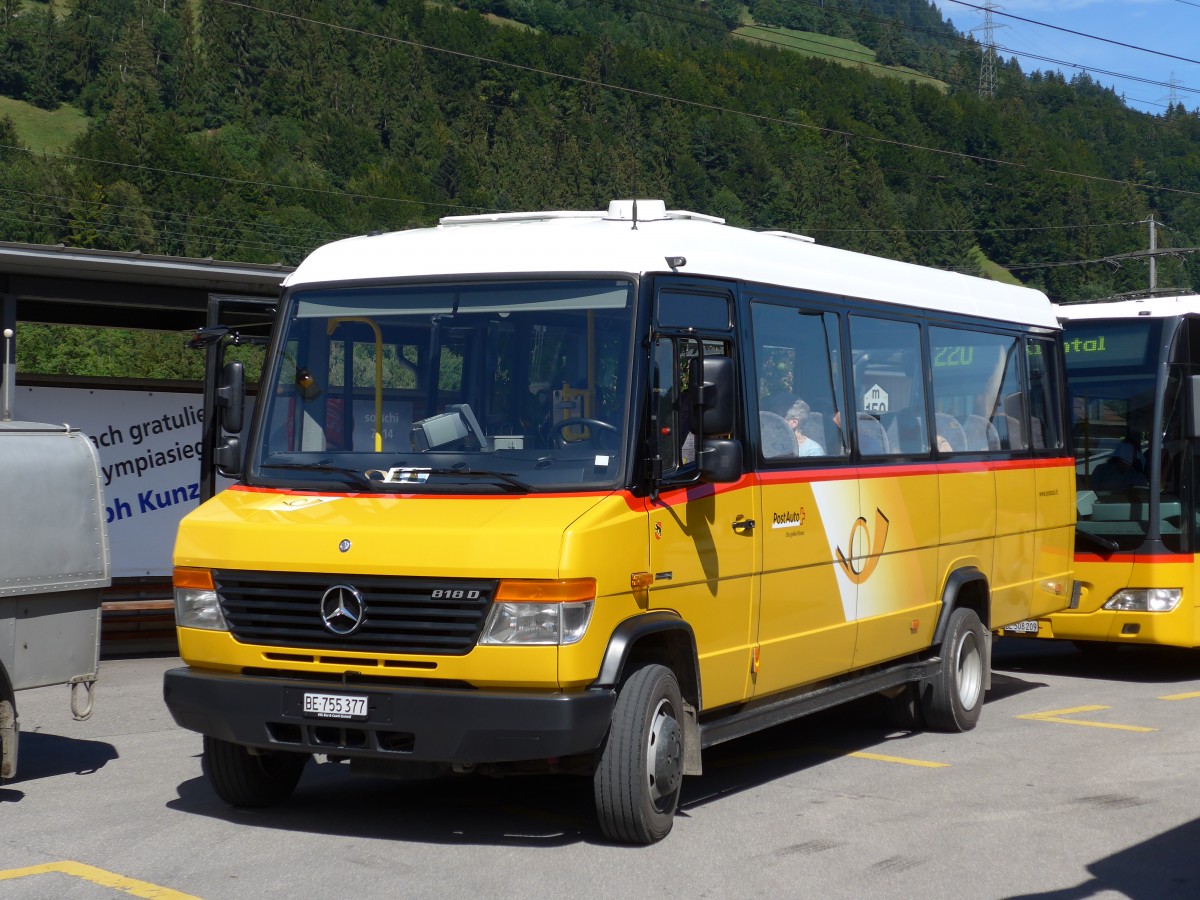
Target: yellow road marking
1056, 715
923, 763
112, 880
1191, 695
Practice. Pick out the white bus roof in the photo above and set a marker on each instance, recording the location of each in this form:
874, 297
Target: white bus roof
1149, 307
566, 243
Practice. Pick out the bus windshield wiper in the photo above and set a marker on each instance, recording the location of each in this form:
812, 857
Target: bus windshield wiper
352, 475
377, 484
1103, 543
507, 477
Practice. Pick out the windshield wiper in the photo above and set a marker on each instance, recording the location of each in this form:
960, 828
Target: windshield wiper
352, 475
507, 477
1103, 543
376, 484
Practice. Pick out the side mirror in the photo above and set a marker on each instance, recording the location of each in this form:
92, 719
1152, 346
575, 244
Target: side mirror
720, 460
229, 456
714, 389
231, 397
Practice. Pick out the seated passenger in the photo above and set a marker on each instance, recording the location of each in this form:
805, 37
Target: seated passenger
797, 418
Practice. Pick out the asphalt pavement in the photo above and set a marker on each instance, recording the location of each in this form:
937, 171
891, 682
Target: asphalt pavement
1081, 780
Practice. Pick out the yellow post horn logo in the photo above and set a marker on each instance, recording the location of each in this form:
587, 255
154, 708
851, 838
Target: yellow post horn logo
858, 566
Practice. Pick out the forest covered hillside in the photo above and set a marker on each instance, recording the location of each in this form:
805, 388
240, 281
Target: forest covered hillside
258, 130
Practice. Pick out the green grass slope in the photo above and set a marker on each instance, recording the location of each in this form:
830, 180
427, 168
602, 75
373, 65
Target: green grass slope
44, 130
822, 46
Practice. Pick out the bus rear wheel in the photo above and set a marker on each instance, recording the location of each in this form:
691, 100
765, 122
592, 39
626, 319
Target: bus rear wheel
953, 698
250, 779
640, 766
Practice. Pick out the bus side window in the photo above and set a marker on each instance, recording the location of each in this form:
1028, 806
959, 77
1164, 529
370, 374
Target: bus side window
665, 413
976, 392
1044, 383
799, 384
672, 437
889, 387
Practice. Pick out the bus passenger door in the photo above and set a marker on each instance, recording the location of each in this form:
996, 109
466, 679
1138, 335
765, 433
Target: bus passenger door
891, 551
806, 611
704, 538
1055, 484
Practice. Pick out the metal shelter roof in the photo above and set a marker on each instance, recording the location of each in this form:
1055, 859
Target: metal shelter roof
65, 285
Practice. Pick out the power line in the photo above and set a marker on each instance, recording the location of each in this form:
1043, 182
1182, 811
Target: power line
349, 195
1118, 258
190, 218
575, 79
1083, 34
712, 107
946, 34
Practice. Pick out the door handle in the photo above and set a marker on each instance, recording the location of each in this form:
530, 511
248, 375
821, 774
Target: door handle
743, 526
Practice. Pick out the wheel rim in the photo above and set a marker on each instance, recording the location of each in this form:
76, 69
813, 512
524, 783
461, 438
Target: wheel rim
664, 756
969, 671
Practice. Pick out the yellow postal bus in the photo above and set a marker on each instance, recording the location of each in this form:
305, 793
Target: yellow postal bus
1133, 389
592, 491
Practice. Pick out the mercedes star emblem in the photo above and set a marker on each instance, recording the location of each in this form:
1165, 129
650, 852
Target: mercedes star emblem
342, 609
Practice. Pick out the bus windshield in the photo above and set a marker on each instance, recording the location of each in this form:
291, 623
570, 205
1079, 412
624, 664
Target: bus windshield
1112, 366
483, 387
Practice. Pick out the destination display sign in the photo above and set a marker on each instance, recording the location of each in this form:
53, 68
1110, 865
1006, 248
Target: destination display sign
1109, 343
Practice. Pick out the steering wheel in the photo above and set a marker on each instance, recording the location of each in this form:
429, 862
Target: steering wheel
596, 426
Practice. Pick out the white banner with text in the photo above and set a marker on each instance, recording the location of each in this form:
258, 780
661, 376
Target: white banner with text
149, 448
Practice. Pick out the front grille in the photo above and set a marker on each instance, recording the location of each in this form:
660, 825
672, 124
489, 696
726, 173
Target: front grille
283, 609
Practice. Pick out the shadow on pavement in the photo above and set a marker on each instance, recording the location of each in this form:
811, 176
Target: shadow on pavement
538, 810
46, 755
1161, 868
1128, 663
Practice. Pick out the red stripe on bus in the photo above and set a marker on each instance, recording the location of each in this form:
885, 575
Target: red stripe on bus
1125, 558
414, 495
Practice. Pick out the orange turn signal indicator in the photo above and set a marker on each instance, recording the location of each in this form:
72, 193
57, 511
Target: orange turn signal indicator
640, 581
196, 579
572, 590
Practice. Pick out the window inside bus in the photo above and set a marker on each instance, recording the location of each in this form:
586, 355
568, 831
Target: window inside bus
1111, 377
482, 387
1045, 407
979, 404
797, 359
889, 387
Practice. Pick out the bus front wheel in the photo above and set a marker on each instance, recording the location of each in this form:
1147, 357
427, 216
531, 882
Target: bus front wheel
250, 779
640, 766
953, 697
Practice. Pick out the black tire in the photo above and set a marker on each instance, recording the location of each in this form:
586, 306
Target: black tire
903, 709
243, 779
953, 698
640, 766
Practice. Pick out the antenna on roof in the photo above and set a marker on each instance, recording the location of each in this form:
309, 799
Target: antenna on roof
635, 211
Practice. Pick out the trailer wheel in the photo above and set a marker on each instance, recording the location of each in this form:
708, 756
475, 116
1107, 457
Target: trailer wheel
640, 766
953, 698
9, 738
246, 779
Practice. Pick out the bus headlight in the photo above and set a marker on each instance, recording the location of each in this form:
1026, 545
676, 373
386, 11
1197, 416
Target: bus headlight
196, 602
1145, 600
540, 612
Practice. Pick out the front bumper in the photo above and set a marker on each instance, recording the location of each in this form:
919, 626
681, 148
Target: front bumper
425, 724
